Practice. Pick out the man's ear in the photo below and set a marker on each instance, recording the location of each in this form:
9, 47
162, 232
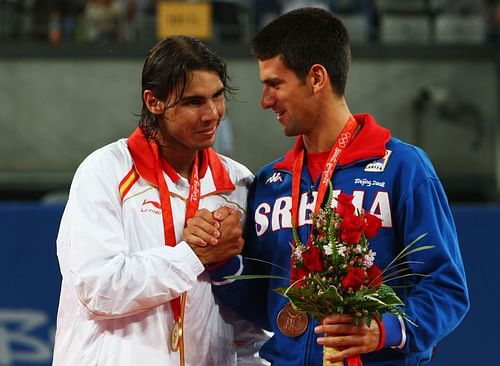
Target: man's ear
153, 104
318, 77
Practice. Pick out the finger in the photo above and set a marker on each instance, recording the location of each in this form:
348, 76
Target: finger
194, 241
226, 250
207, 216
342, 342
206, 233
198, 227
344, 353
231, 222
339, 329
222, 213
338, 318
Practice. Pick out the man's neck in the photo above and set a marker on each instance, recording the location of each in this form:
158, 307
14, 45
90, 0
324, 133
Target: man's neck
328, 128
181, 160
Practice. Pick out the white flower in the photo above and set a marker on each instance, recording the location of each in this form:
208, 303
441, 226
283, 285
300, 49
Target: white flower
369, 258
358, 249
328, 249
297, 252
341, 249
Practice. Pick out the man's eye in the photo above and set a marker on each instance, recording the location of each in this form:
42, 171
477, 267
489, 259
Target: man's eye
195, 102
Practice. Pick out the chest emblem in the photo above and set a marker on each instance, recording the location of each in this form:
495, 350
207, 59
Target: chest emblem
151, 206
378, 166
276, 177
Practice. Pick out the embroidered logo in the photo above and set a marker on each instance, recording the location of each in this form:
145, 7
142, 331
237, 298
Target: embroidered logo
151, 206
378, 166
368, 183
276, 177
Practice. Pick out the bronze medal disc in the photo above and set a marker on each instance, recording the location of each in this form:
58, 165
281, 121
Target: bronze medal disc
176, 337
291, 322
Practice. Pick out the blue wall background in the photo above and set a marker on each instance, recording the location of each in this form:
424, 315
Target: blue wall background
30, 281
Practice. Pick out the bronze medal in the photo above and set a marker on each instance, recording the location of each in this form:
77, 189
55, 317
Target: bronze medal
291, 322
176, 336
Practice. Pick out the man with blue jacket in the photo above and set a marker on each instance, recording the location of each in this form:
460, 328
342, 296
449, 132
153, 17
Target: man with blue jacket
304, 56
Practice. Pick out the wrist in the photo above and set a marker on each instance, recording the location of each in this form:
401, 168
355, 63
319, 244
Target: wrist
215, 265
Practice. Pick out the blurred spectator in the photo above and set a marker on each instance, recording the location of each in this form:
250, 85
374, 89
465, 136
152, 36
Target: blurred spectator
265, 11
104, 20
494, 21
460, 7
231, 19
359, 17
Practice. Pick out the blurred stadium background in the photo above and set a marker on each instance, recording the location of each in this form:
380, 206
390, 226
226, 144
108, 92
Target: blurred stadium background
70, 83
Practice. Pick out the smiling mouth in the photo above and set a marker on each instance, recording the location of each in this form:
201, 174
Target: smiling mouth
279, 116
209, 131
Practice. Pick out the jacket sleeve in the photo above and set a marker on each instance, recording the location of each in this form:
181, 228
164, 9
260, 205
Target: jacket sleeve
112, 279
247, 297
438, 300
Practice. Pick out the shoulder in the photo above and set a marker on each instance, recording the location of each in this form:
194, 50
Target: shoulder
238, 172
111, 160
410, 158
268, 171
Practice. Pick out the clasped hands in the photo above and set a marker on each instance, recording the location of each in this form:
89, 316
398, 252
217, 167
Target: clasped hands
214, 236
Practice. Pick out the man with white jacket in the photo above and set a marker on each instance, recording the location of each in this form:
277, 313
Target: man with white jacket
134, 292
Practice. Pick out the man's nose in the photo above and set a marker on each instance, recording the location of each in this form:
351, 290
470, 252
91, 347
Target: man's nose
267, 100
212, 112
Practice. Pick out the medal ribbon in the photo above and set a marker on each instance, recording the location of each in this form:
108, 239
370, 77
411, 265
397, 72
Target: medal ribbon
192, 204
343, 140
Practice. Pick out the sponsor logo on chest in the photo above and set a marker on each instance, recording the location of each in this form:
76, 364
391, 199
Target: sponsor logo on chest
151, 206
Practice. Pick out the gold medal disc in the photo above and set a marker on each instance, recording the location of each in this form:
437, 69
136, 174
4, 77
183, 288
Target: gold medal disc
176, 336
291, 322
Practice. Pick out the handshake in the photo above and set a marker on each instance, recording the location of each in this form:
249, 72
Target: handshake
214, 236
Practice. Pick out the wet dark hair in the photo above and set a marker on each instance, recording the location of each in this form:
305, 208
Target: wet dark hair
168, 70
304, 37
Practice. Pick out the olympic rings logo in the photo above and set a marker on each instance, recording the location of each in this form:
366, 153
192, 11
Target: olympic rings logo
344, 139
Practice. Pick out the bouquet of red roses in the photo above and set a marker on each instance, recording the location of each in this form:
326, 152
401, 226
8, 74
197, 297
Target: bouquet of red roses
335, 272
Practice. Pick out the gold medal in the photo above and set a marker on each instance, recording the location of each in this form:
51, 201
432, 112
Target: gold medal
291, 322
176, 336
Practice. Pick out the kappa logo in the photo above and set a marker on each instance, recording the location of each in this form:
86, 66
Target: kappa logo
378, 166
276, 177
151, 206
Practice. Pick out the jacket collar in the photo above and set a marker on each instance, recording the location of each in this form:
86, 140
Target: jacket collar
145, 156
370, 142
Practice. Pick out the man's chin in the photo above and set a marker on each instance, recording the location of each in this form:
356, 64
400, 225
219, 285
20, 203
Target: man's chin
291, 132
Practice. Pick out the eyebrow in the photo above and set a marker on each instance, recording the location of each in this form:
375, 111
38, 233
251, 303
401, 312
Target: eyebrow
271, 81
195, 96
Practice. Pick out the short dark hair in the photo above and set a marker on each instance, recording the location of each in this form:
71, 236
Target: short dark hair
168, 70
304, 37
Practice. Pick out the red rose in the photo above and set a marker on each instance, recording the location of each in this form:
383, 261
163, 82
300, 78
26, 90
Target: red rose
312, 259
344, 204
373, 224
353, 279
375, 277
351, 229
298, 274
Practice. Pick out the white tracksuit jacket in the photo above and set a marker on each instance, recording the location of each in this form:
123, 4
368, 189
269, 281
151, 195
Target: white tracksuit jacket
118, 276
